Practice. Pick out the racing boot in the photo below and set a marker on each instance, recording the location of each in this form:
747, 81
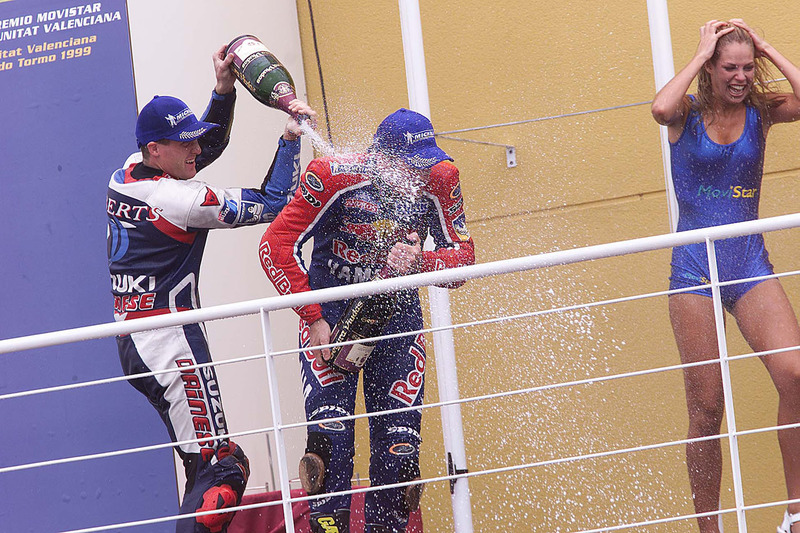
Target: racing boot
338, 522
215, 498
228, 492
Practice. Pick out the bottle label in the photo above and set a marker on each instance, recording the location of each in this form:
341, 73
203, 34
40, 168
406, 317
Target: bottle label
351, 358
281, 90
247, 48
359, 353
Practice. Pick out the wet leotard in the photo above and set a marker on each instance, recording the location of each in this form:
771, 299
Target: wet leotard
719, 184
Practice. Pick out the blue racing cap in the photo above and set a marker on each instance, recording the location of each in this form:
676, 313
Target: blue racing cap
409, 135
166, 117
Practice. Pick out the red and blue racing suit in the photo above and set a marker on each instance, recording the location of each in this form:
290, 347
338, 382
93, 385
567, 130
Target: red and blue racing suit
353, 220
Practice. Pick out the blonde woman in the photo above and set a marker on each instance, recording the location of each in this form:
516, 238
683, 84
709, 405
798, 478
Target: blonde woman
717, 140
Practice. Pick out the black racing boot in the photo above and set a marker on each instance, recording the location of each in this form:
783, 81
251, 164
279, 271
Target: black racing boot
315, 461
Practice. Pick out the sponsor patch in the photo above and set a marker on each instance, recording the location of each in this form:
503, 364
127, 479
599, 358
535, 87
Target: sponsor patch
328, 524
407, 390
412, 138
332, 426
460, 225
210, 199
174, 119
347, 168
405, 430
402, 448
251, 212
226, 215
324, 374
456, 192
277, 275
732, 192
456, 207
308, 197
313, 182
385, 230
335, 409
364, 205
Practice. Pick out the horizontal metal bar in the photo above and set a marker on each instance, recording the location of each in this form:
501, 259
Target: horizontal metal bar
439, 277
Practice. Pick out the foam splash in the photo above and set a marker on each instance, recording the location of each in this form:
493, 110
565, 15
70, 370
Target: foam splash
319, 144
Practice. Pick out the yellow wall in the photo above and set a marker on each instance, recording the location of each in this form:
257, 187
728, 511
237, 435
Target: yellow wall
580, 180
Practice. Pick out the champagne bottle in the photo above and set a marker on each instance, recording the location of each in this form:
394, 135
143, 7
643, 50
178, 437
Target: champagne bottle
364, 317
261, 72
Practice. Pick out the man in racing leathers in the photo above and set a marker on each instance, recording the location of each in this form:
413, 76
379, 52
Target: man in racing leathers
158, 225
356, 208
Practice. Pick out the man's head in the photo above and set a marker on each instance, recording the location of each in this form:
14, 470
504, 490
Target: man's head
408, 135
167, 132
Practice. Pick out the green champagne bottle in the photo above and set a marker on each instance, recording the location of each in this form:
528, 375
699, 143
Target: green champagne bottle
261, 72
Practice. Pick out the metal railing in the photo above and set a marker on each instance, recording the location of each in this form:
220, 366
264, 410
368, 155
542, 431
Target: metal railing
265, 306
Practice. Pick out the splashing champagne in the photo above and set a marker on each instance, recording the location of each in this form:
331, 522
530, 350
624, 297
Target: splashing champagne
261, 73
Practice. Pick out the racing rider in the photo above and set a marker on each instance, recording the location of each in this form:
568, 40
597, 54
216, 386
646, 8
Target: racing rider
158, 224
356, 207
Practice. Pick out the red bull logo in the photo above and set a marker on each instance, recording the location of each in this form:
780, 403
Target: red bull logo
325, 375
406, 390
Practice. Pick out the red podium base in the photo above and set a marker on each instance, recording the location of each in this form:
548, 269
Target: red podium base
270, 519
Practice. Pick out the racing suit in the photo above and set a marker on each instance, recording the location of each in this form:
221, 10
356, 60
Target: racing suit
157, 232
354, 219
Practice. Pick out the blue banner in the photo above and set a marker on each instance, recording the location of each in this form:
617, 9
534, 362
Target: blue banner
67, 116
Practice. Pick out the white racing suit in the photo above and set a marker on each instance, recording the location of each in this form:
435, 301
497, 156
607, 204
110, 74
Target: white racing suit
157, 232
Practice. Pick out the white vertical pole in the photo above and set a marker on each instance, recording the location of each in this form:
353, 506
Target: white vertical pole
664, 70
416, 79
733, 438
451, 414
277, 423
414, 52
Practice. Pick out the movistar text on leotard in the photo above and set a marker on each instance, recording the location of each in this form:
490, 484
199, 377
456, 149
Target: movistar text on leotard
736, 191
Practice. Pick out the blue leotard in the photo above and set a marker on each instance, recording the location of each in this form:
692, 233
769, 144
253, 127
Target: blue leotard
719, 184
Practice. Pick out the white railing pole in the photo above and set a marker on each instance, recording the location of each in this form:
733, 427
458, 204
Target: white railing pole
414, 54
664, 70
452, 427
417, 82
277, 423
724, 363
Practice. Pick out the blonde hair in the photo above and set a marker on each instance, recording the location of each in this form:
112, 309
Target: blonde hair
758, 95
